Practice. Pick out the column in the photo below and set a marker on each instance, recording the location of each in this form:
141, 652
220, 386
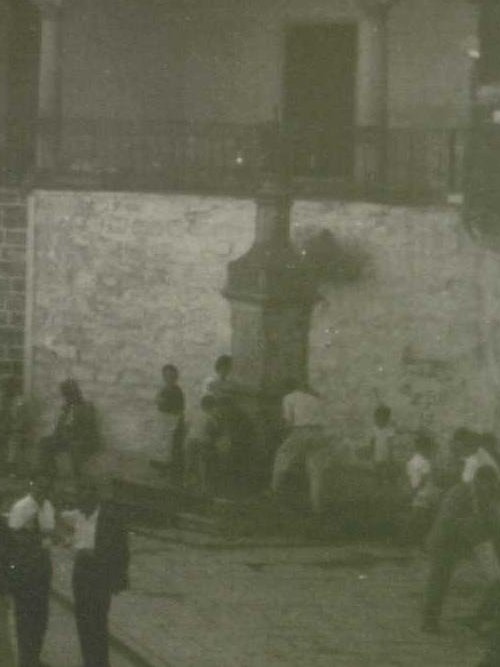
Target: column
372, 93
49, 88
271, 299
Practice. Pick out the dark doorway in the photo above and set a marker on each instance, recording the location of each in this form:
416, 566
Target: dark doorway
319, 98
23, 50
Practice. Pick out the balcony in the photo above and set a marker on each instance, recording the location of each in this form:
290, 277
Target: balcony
404, 165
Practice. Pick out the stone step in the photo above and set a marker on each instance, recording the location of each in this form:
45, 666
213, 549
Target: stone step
165, 505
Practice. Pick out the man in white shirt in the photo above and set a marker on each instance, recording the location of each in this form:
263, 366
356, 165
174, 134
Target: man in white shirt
425, 493
302, 414
32, 522
100, 570
477, 457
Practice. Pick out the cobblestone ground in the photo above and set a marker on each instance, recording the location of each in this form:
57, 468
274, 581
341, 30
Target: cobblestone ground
216, 606
61, 648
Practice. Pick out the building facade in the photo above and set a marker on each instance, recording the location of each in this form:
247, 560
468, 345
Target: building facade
153, 123
184, 95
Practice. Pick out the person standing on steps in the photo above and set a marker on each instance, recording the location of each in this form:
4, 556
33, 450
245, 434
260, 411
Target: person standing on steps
171, 404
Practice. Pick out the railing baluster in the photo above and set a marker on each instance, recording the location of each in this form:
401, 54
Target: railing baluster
422, 164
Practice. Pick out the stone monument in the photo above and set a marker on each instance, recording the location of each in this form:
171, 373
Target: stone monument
271, 297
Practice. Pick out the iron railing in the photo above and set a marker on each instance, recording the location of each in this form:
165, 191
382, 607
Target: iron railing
407, 164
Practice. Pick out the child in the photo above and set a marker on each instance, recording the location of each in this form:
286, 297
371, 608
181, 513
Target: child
221, 383
381, 450
200, 452
425, 494
170, 402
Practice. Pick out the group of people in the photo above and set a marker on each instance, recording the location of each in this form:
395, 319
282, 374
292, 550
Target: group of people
466, 524
454, 503
100, 570
454, 507
210, 451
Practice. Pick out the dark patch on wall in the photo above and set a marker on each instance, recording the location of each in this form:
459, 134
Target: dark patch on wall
330, 261
427, 367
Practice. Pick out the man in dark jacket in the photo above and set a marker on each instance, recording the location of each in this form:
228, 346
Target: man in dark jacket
467, 522
100, 569
76, 431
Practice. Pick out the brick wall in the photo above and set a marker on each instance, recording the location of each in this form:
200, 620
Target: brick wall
126, 282
13, 217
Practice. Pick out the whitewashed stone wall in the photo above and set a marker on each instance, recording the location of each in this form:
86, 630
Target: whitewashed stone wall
123, 283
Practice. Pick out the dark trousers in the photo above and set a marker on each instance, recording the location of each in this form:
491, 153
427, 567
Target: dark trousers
492, 654
31, 607
418, 525
442, 566
92, 602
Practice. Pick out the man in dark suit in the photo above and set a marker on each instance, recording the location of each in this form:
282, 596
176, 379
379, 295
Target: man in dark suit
100, 569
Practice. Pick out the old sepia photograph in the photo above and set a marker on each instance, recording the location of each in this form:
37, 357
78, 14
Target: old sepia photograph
249, 333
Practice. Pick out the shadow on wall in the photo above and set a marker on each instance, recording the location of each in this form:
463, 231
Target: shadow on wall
329, 261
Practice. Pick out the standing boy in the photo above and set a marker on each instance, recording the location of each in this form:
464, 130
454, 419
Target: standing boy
100, 570
32, 521
170, 402
201, 455
382, 443
221, 383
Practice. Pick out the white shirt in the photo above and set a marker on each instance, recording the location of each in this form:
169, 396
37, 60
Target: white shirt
417, 469
24, 512
479, 459
215, 386
302, 409
84, 528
